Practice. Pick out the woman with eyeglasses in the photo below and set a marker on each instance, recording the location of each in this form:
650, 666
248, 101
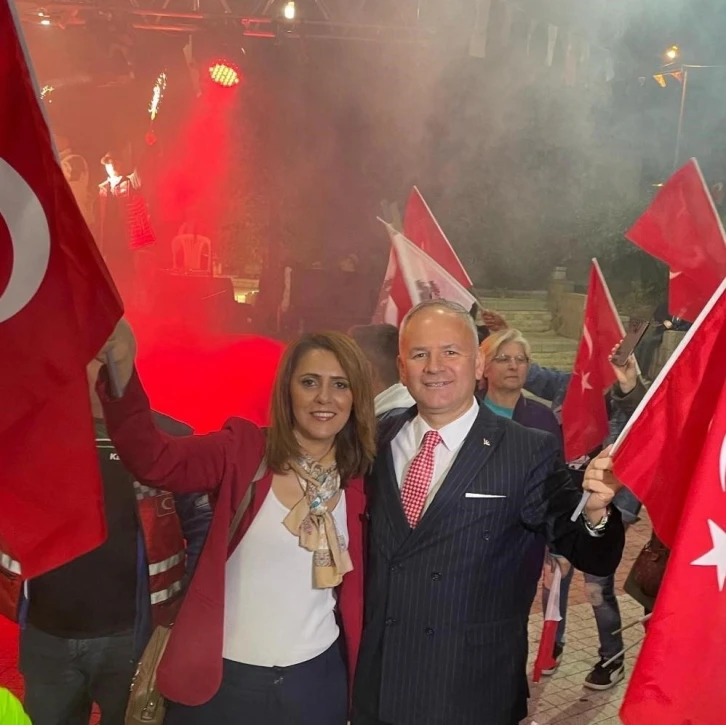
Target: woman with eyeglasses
275, 608
507, 354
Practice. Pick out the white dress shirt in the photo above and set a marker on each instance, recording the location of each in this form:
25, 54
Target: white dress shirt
407, 443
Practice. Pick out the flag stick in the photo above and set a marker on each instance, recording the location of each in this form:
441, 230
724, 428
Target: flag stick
622, 652
581, 506
642, 620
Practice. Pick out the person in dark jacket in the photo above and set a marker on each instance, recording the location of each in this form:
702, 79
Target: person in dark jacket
85, 624
507, 356
458, 499
379, 344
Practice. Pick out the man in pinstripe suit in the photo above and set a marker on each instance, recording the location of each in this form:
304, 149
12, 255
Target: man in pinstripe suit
452, 572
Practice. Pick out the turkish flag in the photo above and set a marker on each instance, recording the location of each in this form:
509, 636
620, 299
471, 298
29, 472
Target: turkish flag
584, 415
57, 307
420, 227
661, 445
682, 229
678, 677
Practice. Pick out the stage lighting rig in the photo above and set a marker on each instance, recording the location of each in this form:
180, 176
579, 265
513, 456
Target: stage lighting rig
224, 73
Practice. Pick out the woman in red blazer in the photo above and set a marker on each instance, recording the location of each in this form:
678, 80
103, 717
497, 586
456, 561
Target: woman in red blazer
256, 641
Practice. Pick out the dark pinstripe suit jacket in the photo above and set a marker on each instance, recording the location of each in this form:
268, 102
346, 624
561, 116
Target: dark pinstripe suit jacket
445, 634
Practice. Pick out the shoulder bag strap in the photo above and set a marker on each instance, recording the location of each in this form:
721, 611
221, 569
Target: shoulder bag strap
246, 501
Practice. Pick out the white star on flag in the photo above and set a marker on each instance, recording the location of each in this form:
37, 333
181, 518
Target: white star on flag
717, 556
585, 380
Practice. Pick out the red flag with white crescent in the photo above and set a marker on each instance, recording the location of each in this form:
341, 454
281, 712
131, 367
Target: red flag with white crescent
57, 307
672, 456
682, 228
584, 415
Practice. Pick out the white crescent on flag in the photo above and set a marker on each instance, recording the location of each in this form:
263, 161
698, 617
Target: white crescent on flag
30, 238
588, 341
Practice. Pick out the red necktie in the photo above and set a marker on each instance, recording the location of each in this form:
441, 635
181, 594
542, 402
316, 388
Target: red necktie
418, 479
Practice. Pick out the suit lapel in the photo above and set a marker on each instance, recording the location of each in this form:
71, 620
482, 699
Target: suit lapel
478, 445
386, 482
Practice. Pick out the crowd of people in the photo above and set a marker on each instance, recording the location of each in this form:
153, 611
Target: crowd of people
371, 557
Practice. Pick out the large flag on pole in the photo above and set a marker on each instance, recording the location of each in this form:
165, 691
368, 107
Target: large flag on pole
682, 228
672, 456
57, 307
417, 277
584, 414
662, 443
420, 227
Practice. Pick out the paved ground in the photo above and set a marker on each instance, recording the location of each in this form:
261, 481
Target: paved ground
558, 699
561, 698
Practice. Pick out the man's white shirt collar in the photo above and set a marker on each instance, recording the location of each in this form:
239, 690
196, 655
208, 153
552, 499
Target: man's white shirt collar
452, 434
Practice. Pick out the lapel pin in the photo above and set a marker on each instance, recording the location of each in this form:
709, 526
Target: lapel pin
485, 441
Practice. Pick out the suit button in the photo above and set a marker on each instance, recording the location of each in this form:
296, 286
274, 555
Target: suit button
485, 536
396, 567
429, 632
435, 576
390, 622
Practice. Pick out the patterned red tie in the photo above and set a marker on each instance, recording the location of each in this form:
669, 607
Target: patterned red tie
418, 479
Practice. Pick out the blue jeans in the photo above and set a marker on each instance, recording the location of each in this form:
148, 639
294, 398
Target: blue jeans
64, 677
601, 593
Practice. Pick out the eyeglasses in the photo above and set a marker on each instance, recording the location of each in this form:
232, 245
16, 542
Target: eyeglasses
506, 359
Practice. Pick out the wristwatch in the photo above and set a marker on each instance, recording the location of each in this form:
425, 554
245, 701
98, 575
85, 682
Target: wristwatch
599, 527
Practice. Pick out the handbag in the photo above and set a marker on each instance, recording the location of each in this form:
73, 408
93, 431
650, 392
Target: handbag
147, 706
650, 565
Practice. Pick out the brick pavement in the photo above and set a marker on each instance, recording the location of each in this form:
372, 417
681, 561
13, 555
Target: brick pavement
562, 699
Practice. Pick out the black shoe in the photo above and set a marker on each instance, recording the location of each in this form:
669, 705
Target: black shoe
557, 656
603, 678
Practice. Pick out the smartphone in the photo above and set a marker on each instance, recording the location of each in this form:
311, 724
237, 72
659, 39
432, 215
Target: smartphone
636, 330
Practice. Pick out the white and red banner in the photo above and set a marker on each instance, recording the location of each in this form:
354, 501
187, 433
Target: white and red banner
552, 617
421, 230
412, 277
672, 456
584, 413
682, 228
57, 308
421, 227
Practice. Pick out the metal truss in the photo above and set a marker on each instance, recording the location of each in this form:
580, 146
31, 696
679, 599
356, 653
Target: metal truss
381, 21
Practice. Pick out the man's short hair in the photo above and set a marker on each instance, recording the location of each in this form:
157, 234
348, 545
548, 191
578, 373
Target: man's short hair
380, 346
449, 306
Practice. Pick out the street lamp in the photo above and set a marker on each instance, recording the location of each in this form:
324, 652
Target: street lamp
672, 53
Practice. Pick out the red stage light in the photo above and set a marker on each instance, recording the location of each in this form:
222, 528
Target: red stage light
224, 74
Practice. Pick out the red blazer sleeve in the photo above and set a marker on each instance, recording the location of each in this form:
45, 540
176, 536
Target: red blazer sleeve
179, 464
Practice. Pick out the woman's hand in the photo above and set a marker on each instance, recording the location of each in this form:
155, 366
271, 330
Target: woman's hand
121, 348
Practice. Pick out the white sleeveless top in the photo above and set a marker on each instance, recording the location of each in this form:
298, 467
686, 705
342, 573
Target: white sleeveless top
273, 617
